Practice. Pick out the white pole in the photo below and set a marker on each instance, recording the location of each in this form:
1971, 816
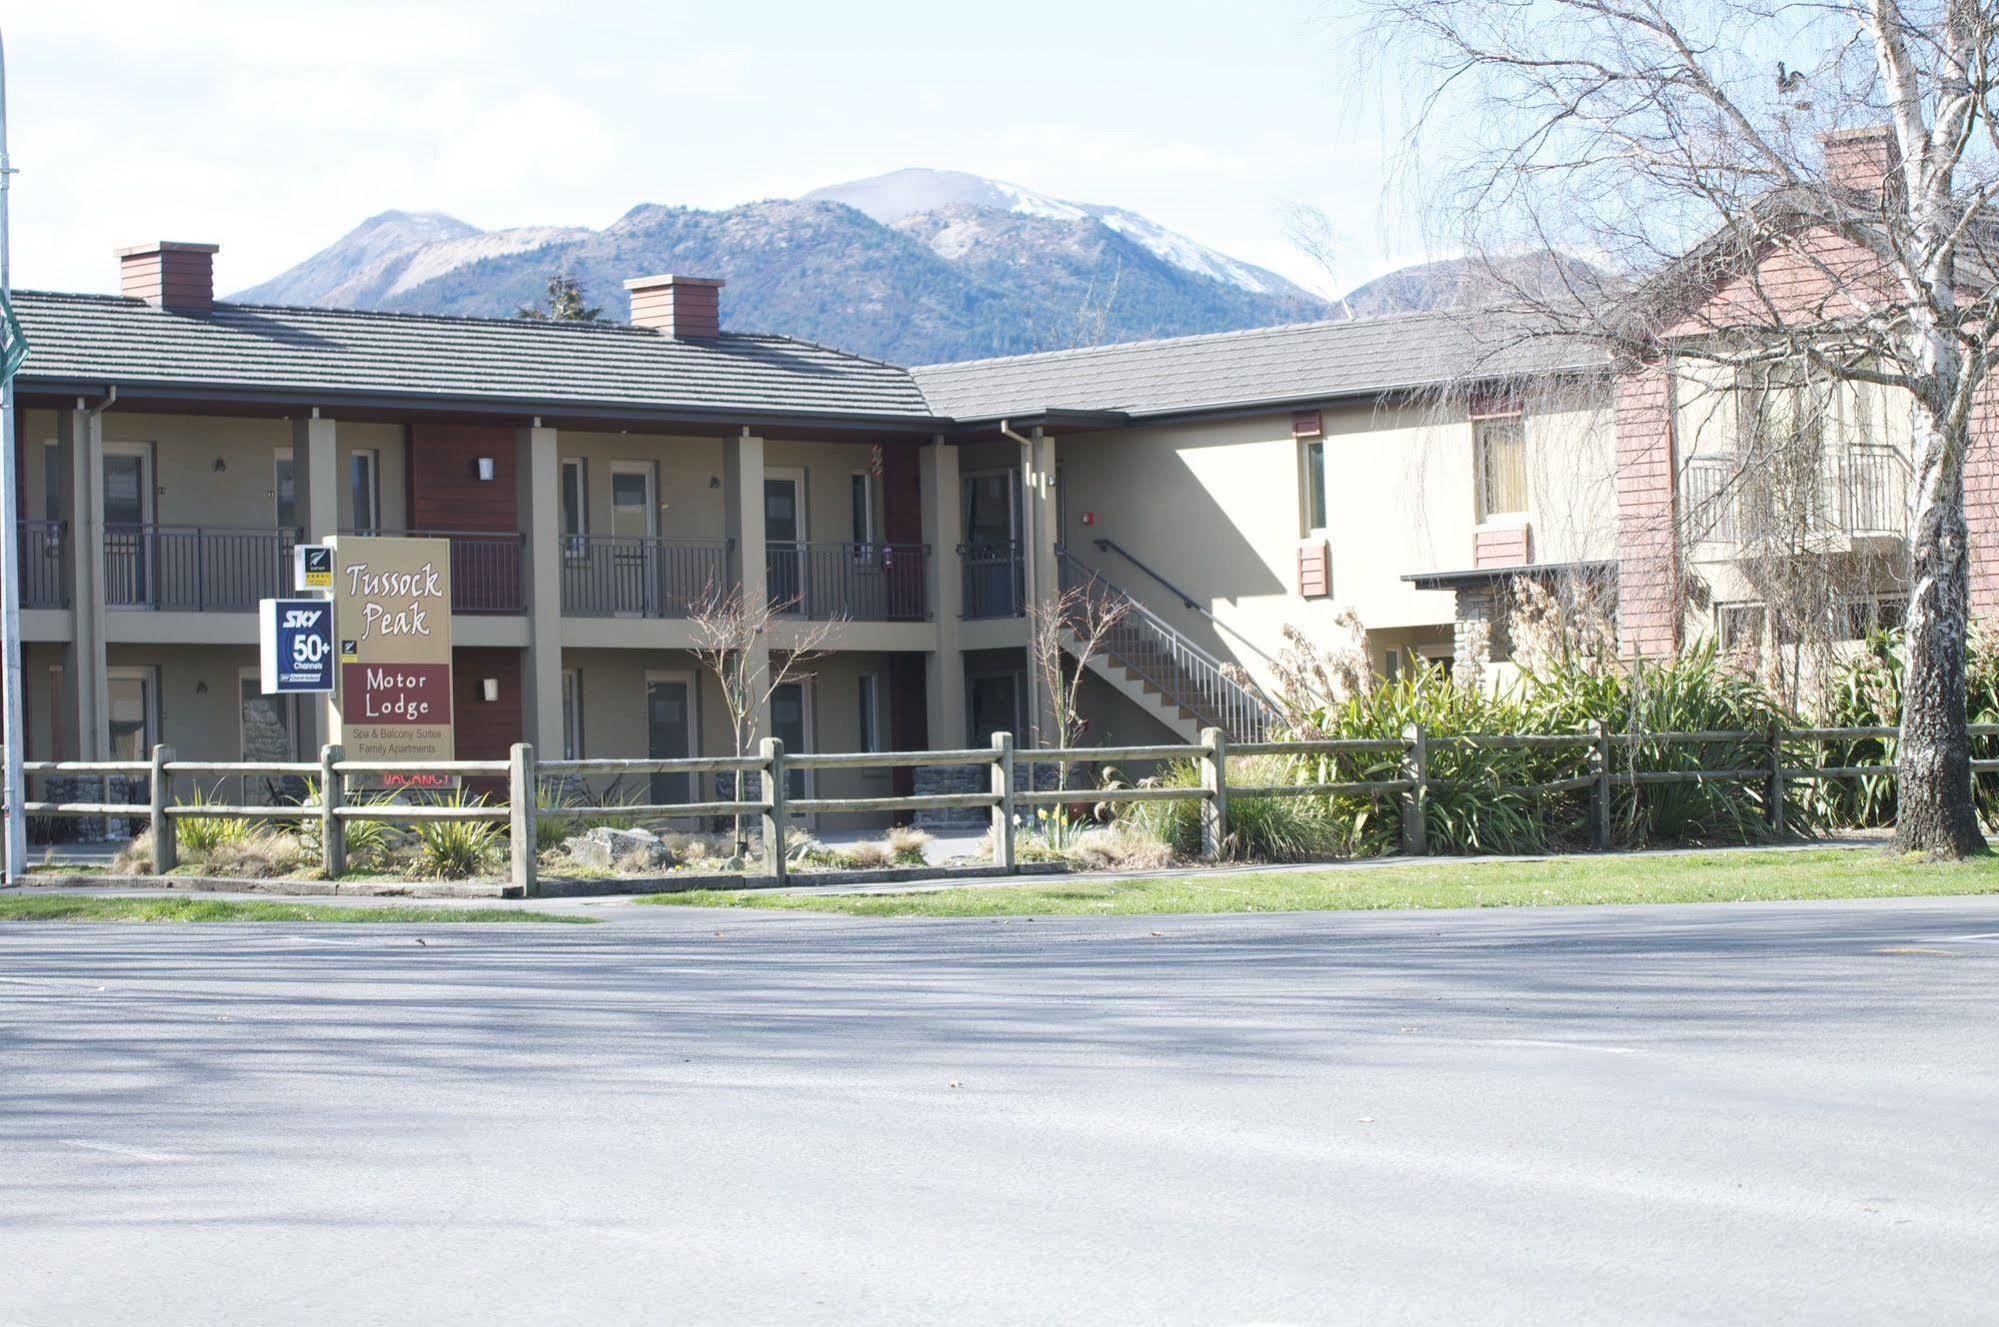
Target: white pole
10, 554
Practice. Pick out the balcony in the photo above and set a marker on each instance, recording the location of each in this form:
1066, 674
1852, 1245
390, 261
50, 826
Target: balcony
628, 576
855, 582
1859, 492
994, 583
486, 568
44, 582
193, 568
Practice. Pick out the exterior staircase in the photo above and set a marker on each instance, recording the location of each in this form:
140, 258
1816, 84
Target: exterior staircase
1160, 669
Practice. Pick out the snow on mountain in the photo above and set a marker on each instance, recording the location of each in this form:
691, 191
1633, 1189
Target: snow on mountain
435, 260
916, 191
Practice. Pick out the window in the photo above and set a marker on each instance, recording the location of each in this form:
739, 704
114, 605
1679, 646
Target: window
870, 712
1500, 448
1740, 626
790, 722
861, 497
572, 714
575, 505
364, 491
1865, 615
284, 490
1315, 484
133, 721
52, 485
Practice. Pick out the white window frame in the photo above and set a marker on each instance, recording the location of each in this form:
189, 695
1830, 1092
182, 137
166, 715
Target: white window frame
150, 675
1322, 498
868, 703
576, 541
804, 685
373, 461
1486, 515
572, 721
1761, 612
149, 477
650, 473
867, 534
696, 788
796, 476
52, 469
283, 456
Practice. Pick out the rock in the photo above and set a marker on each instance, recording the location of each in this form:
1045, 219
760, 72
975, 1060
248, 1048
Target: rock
606, 848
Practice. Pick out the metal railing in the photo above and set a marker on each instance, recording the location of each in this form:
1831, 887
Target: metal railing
487, 569
857, 582
1762, 764
1157, 651
44, 571
632, 576
994, 579
1187, 601
1860, 490
193, 568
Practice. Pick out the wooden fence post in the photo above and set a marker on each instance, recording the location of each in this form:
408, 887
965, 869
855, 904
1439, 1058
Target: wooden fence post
1215, 783
1415, 806
1002, 786
1776, 794
332, 796
166, 844
521, 846
775, 815
1600, 794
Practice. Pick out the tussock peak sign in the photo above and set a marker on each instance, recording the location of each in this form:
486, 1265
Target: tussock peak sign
392, 622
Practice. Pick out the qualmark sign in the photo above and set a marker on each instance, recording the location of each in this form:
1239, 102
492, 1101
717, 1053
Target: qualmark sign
392, 632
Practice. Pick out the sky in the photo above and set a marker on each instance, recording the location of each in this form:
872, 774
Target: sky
272, 128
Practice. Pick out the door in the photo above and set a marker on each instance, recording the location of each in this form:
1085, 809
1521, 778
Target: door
670, 732
634, 555
790, 724
130, 542
784, 539
992, 548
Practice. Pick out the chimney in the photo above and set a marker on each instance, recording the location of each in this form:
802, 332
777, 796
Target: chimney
681, 307
1865, 160
170, 275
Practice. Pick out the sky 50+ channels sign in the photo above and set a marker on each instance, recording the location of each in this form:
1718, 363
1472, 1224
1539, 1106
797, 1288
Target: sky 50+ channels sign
392, 632
295, 644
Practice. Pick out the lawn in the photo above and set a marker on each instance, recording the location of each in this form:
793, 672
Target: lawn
1714, 877
181, 908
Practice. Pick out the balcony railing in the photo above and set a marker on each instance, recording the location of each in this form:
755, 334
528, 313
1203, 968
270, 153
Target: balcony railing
858, 582
627, 576
43, 583
1860, 491
193, 568
993, 579
486, 568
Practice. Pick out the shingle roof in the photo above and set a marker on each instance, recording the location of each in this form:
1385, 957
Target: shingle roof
248, 347
1271, 365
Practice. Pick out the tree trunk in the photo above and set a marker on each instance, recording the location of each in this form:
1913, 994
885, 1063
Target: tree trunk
1935, 814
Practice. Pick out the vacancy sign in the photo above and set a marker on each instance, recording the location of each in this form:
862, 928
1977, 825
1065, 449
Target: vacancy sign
392, 633
295, 645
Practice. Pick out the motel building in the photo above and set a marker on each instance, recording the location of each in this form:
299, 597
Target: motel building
595, 482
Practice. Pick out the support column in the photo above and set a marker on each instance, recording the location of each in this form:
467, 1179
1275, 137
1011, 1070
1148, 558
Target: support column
944, 665
538, 475
316, 501
86, 696
1041, 568
743, 499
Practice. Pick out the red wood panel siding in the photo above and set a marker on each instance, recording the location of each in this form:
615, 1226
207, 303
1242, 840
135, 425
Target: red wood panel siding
486, 730
909, 719
1805, 278
902, 494
1648, 572
1981, 501
1315, 570
1503, 546
445, 492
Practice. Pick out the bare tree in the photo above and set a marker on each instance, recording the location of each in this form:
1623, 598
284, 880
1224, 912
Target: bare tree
1652, 136
1064, 634
1312, 233
1089, 325
731, 635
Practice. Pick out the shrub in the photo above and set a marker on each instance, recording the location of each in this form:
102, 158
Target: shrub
1119, 848
866, 857
264, 855
370, 843
197, 837
1260, 829
455, 849
907, 845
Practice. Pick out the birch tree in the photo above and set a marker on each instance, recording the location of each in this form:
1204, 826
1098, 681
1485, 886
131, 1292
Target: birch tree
1684, 147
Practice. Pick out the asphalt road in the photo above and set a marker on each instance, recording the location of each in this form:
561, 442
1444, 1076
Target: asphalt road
1722, 1113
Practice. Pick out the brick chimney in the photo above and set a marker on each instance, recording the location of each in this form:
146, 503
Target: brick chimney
170, 275
681, 307
1865, 160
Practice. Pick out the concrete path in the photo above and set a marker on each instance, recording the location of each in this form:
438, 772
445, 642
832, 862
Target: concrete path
1718, 1113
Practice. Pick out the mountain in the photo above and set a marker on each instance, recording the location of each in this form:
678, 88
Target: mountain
1462, 282
917, 266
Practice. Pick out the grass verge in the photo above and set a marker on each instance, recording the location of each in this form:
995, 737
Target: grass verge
178, 908
1716, 877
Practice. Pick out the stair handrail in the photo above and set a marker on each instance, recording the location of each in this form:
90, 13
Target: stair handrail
1186, 600
1220, 695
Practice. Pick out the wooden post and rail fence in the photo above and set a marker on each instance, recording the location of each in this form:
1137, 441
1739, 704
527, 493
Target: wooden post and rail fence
1412, 756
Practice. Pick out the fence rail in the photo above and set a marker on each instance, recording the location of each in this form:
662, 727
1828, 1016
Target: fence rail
769, 802
193, 568
633, 576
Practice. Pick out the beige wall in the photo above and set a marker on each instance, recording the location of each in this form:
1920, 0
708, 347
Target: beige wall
687, 478
1218, 508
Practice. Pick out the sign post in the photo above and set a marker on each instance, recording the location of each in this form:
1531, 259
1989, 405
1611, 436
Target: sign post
392, 642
